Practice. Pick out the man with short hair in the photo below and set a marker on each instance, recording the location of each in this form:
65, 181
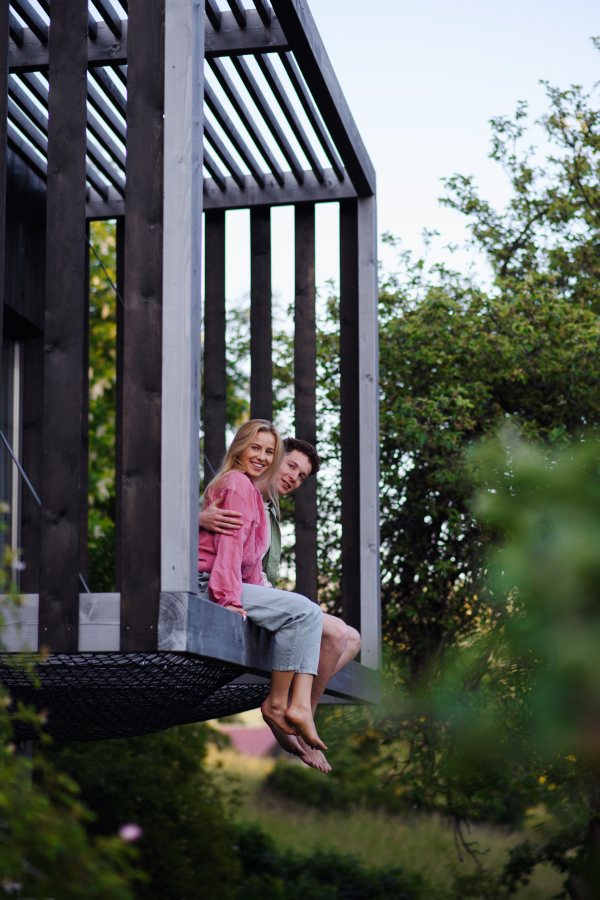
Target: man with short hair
339, 643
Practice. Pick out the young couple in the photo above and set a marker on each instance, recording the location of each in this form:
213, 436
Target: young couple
238, 558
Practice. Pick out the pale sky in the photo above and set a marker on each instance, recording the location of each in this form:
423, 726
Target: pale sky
422, 80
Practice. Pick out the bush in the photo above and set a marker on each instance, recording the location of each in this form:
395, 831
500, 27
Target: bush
159, 783
320, 876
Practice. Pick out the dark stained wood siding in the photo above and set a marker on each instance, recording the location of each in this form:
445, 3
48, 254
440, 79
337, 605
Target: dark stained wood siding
214, 413
349, 412
305, 386
25, 241
142, 338
261, 329
66, 297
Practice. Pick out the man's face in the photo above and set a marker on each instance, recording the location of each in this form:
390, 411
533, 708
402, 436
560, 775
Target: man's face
293, 471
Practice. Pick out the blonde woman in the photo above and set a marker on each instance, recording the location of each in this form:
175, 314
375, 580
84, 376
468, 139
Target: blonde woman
230, 574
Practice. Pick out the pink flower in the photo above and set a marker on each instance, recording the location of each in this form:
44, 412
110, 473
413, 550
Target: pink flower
130, 832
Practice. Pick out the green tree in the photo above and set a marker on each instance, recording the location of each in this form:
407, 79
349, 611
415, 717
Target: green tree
45, 848
160, 783
102, 406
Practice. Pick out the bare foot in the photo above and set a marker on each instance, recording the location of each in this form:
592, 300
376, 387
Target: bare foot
275, 715
302, 722
313, 758
290, 742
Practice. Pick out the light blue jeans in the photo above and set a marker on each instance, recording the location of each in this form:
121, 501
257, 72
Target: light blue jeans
295, 621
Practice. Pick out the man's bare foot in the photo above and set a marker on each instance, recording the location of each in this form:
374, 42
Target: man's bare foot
275, 715
290, 742
313, 758
302, 722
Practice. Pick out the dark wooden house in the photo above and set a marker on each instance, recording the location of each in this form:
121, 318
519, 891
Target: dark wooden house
153, 113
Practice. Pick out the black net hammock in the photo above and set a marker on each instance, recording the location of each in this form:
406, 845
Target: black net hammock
98, 696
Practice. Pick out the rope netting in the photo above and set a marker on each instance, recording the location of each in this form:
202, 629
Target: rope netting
232, 699
97, 696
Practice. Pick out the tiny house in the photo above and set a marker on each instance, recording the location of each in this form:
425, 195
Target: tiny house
163, 115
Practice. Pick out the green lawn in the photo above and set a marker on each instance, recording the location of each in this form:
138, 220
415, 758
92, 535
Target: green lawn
417, 843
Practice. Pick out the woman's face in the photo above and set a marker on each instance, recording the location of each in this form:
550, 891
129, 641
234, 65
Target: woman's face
257, 458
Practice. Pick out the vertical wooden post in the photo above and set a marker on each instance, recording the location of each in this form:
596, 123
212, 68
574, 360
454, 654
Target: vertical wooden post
215, 362
4, 36
181, 321
142, 338
119, 398
261, 327
64, 322
33, 410
305, 395
349, 413
368, 363
85, 408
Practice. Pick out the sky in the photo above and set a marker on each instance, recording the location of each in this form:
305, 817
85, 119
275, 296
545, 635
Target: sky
422, 80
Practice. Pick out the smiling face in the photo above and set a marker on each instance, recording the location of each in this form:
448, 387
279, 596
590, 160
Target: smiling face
257, 458
293, 471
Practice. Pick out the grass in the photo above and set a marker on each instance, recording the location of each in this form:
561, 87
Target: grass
418, 843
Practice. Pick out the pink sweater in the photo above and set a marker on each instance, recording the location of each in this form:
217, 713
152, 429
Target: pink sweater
235, 559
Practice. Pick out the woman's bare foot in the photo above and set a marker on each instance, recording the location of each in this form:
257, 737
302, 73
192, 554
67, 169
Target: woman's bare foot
313, 758
301, 720
289, 742
276, 715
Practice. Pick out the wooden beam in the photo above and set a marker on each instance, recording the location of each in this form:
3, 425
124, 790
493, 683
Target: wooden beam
181, 320
331, 191
65, 300
239, 12
215, 362
274, 82
32, 18
233, 134
309, 51
264, 10
107, 12
207, 630
313, 117
261, 326
110, 89
4, 39
33, 410
368, 374
269, 117
213, 14
212, 168
256, 37
108, 50
305, 396
310, 191
349, 413
238, 104
98, 208
224, 154
142, 350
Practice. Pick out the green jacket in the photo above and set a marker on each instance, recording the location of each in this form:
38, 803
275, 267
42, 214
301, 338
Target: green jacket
273, 554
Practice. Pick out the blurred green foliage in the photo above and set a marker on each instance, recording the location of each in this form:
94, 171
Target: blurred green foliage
320, 876
102, 407
45, 847
160, 783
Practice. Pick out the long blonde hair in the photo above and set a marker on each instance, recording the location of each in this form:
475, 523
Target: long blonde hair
243, 439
